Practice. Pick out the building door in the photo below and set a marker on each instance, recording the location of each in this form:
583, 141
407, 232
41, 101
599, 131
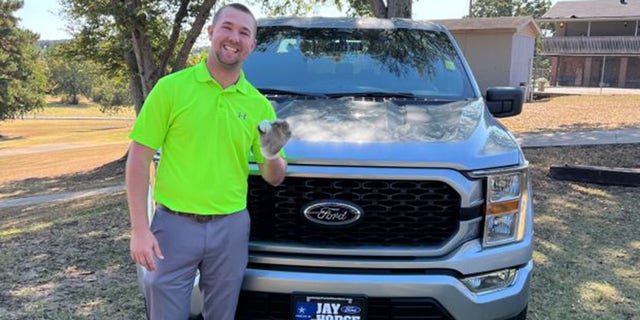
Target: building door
633, 73
611, 72
596, 71
570, 71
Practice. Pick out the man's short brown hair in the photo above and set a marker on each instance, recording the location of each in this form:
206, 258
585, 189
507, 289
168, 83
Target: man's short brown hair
239, 7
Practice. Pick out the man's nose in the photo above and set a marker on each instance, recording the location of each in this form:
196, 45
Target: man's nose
234, 36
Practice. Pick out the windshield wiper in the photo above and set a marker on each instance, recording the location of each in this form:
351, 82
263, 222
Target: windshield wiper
373, 94
281, 92
390, 95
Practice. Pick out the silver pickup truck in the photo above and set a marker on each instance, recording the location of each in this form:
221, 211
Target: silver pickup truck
404, 197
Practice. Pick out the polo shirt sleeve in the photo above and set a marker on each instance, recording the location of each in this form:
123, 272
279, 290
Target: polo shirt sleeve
152, 123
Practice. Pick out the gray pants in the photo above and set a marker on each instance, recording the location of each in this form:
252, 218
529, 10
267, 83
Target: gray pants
219, 249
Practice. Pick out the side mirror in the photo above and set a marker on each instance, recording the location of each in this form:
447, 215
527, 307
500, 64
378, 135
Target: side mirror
504, 101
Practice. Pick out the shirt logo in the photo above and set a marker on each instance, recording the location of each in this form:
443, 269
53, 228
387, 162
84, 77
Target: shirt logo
242, 116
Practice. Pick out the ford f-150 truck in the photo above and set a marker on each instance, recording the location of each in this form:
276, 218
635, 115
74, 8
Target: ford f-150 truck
404, 197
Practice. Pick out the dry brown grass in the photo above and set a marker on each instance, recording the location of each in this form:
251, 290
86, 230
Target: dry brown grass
35, 154
56, 108
18, 135
85, 170
69, 260
570, 113
587, 249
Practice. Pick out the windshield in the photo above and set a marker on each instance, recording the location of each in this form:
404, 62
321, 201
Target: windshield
327, 61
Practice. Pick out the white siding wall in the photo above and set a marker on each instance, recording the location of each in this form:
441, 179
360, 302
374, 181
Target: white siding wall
489, 56
522, 61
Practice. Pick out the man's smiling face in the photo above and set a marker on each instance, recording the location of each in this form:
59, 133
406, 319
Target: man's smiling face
232, 38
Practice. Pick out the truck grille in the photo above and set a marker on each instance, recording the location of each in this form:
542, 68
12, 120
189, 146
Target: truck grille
395, 212
277, 306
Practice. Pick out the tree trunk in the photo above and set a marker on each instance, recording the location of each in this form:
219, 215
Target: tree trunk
135, 83
181, 14
147, 71
378, 7
135, 86
399, 9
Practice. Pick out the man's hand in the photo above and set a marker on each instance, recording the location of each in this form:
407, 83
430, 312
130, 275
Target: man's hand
143, 247
273, 136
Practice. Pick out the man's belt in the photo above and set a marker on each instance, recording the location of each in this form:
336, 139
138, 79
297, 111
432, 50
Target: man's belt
202, 218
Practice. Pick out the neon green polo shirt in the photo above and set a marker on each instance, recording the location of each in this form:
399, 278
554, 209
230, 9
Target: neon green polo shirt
207, 135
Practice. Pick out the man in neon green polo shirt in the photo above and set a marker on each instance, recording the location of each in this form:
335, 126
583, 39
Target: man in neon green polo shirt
205, 120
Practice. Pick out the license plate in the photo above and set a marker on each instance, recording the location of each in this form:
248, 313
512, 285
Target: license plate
310, 306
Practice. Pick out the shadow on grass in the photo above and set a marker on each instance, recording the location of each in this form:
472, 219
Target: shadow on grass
71, 262
587, 249
109, 174
6, 138
61, 103
581, 127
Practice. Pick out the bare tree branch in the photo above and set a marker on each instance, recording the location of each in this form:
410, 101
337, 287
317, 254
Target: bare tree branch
175, 33
194, 32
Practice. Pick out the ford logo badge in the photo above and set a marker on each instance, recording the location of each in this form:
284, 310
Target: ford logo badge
350, 309
332, 212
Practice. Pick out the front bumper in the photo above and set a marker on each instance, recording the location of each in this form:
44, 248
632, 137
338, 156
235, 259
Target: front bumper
448, 291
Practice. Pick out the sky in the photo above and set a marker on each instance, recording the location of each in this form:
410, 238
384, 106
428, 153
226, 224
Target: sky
40, 16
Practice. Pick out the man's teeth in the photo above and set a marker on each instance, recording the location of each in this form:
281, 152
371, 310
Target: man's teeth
231, 49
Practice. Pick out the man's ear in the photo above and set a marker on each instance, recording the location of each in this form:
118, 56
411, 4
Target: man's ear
209, 31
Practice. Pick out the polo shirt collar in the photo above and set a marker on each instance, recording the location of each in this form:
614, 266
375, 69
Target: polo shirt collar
202, 75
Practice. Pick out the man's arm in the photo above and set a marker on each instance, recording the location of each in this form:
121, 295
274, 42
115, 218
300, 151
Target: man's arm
143, 243
273, 170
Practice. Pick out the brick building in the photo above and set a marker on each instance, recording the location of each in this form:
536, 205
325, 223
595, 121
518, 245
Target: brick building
596, 43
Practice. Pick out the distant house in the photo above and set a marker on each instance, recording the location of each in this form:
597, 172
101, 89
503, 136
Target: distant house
595, 44
498, 50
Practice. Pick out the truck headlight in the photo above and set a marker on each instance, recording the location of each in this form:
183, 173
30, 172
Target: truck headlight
505, 206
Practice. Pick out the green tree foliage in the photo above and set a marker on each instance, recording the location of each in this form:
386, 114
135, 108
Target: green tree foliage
72, 76
197, 55
362, 8
111, 93
509, 8
492, 8
139, 41
22, 80
382, 9
293, 7
69, 75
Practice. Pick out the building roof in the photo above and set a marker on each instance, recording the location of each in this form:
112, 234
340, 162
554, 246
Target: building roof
514, 24
593, 9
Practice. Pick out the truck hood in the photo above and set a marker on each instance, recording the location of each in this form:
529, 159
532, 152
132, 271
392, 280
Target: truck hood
460, 135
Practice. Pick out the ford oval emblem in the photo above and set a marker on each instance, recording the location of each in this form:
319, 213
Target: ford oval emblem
332, 212
350, 309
